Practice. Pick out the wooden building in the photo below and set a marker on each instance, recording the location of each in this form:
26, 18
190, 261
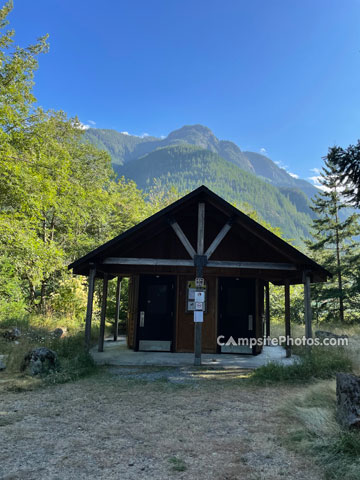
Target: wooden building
200, 235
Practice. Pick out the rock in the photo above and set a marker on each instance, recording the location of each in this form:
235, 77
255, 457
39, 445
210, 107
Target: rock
57, 333
324, 334
40, 361
348, 400
2, 362
12, 334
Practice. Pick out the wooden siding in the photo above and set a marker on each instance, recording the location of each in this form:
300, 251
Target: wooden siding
185, 321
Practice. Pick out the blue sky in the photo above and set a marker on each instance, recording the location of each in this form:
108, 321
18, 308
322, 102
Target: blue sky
279, 76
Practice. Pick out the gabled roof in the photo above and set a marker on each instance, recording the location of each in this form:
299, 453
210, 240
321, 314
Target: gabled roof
202, 193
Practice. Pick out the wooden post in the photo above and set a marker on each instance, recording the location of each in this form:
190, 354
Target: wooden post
89, 307
287, 317
198, 260
267, 310
103, 313
117, 308
307, 302
201, 229
198, 339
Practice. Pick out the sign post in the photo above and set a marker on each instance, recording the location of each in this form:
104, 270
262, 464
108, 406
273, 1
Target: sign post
200, 261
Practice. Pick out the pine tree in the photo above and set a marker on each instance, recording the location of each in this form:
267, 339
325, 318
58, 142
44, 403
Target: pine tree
334, 247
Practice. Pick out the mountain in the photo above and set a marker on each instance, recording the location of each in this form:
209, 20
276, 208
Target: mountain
192, 155
267, 169
124, 148
203, 137
187, 167
121, 146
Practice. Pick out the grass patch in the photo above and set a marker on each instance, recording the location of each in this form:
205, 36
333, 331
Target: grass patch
316, 433
74, 361
177, 464
317, 363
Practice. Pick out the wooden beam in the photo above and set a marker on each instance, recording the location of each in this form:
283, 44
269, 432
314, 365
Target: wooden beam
189, 263
117, 308
103, 313
251, 265
89, 307
201, 229
287, 317
218, 239
148, 261
307, 305
183, 238
267, 309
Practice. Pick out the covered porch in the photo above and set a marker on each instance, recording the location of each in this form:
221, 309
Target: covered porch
199, 270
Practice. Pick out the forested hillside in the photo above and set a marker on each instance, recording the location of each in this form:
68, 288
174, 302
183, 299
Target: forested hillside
233, 174
186, 167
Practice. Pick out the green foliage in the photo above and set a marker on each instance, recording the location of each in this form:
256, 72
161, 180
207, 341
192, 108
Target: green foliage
317, 363
58, 194
187, 167
177, 464
334, 247
347, 163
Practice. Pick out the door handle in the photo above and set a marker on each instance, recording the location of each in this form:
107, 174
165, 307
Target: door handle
142, 319
250, 322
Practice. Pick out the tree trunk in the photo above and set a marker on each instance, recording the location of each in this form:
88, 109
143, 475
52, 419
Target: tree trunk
338, 262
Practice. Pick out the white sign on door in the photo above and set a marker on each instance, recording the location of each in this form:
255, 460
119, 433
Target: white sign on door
200, 297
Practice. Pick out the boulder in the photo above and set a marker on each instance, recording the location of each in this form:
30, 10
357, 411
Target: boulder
348, 400
325, 334
40, 361
12, 334
2, 362
57, 333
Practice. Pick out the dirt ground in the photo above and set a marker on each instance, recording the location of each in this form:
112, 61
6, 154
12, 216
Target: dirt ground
130, 425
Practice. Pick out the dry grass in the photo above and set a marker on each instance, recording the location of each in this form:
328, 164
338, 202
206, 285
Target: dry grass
111, 427
314, 431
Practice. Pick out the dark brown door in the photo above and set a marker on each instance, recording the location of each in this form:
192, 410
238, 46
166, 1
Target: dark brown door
237, 309
156, 313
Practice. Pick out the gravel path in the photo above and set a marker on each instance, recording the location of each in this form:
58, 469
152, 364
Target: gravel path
139, 424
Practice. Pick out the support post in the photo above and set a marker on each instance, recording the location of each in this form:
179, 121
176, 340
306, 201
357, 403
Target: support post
267, 310
89, 307
201, 229
117, 308
103, 313
287, 318
200, 260
307, 302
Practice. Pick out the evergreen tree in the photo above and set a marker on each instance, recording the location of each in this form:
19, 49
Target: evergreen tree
347, 163
334, 247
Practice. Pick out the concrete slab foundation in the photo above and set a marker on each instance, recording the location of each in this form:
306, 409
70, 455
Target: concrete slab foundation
117, 353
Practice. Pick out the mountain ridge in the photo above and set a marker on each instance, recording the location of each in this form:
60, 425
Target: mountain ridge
124, 147
192, 155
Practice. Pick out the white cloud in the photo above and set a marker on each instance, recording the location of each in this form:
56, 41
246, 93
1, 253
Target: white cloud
125, 133
92, 122
315, 179
82, 126
294, 175
263, 151
144, 135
